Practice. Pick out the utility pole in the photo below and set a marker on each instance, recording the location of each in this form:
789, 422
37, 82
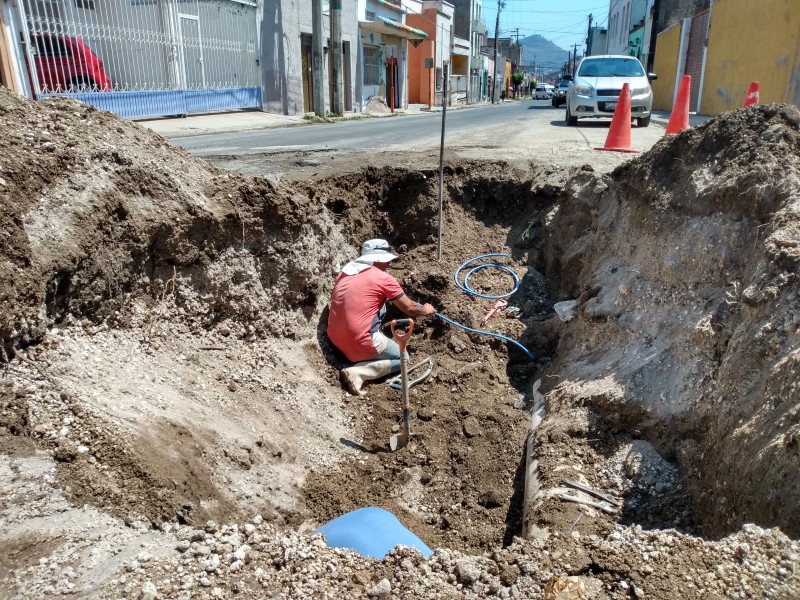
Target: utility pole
651, 50
317, 37
496, 32
574, 58
336, 54
519, 48
445, 76
589, 37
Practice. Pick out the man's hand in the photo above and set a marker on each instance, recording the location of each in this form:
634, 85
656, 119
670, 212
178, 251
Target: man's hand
427, 309
412, 309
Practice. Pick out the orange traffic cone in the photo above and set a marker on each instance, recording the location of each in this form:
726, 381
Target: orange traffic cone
679, 118
619, 134
752, 94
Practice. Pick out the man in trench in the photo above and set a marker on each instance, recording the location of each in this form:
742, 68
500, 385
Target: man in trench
358, 305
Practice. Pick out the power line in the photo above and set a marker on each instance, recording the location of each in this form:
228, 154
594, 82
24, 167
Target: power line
523, 18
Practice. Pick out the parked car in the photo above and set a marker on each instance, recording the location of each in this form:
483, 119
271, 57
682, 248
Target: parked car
67, 64
560, 93
544, 91
598, 81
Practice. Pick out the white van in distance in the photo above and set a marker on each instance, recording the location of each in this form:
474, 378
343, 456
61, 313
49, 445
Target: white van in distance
544, 91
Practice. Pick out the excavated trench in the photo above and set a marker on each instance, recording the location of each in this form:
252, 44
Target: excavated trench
164, 334
462, 482
684, 268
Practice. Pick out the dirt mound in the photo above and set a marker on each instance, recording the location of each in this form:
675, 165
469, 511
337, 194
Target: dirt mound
685, 263
131, 267
112, 213
167, 370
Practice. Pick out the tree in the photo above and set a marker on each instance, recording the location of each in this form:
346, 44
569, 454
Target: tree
516, 80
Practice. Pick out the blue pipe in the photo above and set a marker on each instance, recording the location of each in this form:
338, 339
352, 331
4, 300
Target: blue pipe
464, 286
496, 335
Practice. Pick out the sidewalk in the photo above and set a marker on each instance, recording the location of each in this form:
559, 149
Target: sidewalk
662, 118
227, 122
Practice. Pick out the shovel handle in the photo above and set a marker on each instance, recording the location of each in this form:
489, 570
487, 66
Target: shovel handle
402, 337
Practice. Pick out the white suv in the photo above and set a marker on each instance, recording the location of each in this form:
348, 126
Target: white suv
544, 91
595, 89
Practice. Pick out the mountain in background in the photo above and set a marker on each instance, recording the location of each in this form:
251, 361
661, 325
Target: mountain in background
542, 53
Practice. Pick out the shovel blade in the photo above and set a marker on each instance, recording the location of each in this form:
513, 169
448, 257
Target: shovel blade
398, 441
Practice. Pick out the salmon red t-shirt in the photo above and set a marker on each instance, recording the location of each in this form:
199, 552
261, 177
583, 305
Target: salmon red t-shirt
356, 310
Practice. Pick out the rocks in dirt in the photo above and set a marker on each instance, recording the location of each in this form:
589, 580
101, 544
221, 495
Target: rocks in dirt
509, 574
491, 499
456, 344
381, 590
263, 559
377, 106
426, 414
471, 427
467, 573
685, 264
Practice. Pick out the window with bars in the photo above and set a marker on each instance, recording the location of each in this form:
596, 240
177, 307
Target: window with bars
372, 65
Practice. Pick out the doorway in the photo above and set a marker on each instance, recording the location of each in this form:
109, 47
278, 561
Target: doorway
191, 50
392, 87
308, 79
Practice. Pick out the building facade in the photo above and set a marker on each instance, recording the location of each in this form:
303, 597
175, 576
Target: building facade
147, 58
138, 58
429, 59
287, 78
628, 28
716, 47
468, 24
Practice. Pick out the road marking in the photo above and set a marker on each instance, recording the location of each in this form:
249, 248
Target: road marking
217, 149
281, 148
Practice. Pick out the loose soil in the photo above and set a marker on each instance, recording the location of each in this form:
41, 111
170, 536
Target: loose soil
171, 423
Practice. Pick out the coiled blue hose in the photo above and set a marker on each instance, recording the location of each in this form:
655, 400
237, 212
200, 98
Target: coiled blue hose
465, 288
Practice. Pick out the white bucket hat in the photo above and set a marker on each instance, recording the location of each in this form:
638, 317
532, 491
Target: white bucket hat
372, 251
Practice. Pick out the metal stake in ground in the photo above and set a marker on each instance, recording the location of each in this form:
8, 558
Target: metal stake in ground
400, 440
441, 157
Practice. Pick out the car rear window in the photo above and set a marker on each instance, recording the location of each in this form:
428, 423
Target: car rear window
611, 67
50, 46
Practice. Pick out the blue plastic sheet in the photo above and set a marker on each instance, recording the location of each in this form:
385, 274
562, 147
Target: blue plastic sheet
372, 532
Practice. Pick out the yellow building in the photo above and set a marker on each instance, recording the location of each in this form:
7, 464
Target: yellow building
665, 66
742, 41
752, 41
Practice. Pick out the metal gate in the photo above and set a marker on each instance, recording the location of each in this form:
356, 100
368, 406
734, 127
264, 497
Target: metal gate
696, 55
144, 58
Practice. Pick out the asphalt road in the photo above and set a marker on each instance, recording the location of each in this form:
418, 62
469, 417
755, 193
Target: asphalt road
545, 124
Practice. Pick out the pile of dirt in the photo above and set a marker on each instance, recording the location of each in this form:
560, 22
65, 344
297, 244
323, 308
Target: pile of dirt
172, 426
132, 267
685, 264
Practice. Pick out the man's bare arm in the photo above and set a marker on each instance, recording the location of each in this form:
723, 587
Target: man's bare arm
411, 308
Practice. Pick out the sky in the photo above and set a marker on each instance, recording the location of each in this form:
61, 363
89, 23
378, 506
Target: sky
563, 22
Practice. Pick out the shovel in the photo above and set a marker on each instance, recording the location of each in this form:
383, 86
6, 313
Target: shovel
400, 440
